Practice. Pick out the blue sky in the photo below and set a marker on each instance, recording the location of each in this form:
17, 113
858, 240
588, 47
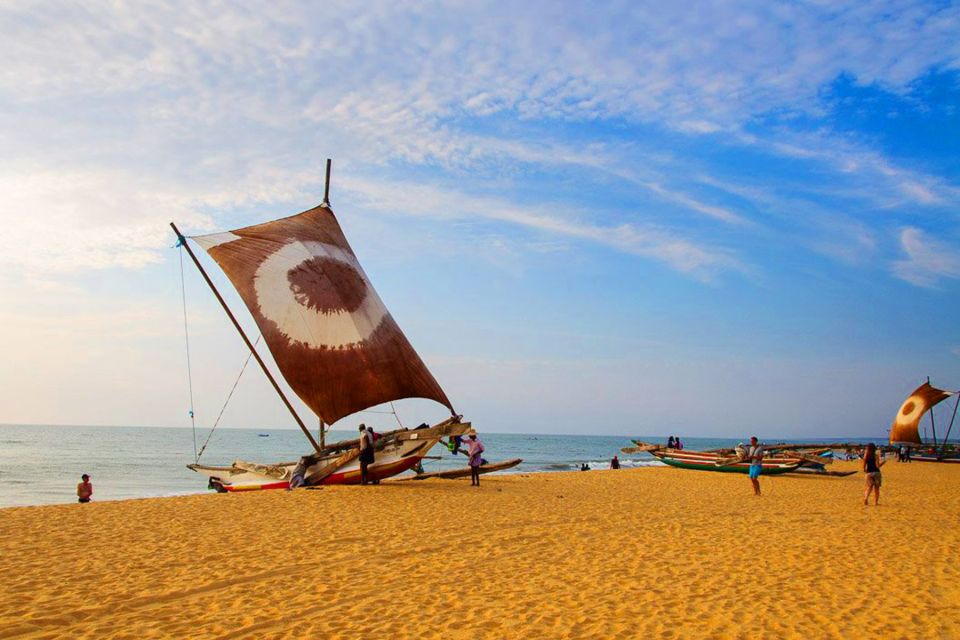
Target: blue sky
624, 218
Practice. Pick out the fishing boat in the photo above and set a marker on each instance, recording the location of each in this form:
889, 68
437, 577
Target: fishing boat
905, 430
464, 472
714, 461
332, 339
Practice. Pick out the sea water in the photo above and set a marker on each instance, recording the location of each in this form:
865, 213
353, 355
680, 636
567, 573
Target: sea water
43, 464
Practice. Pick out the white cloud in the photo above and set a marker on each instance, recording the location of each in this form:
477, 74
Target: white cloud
177, 110
647, 241
927, 260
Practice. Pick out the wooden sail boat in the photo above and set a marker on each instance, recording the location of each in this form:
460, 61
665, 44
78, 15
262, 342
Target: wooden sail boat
714, 460
332, 339
905, 428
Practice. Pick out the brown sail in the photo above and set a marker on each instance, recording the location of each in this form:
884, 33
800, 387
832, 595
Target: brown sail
330, 334
924, 398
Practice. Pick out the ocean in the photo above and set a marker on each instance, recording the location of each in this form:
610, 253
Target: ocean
42, 464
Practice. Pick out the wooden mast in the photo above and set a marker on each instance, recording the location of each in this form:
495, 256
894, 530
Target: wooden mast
950, 428
253, 351
933, 425
326, 186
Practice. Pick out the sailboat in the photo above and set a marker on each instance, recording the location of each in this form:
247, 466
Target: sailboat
332, 339
905, 428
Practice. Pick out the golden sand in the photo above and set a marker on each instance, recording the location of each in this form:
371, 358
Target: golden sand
613, 554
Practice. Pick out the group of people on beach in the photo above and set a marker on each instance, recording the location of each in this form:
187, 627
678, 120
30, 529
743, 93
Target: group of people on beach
673, 442
870, 464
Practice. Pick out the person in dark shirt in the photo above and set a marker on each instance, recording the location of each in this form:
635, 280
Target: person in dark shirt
871, 463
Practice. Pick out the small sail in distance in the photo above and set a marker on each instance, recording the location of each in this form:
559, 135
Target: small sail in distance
905, 425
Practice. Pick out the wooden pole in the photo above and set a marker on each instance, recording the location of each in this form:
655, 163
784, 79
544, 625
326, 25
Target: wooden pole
323, 435
326, 186
266, 371
933, 425
950, 428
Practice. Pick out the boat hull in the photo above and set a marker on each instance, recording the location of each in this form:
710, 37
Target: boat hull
464, 472
919, 457
395, 457
706, 461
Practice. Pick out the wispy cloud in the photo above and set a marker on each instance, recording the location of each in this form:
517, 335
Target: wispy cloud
702, 261
927, 261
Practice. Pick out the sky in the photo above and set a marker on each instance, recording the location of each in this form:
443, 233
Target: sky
713, 219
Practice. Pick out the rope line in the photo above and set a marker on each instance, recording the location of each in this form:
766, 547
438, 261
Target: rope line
186, 339
227, 401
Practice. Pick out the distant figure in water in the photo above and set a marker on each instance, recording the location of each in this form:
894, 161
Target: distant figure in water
755, 454
474, 449
366, 452
670, 443
872, 461
615, 463
584, 467
84, 489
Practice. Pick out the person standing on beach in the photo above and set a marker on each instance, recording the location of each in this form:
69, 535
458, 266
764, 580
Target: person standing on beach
670, 442
374, 436
755, 453
366, 452
84, 489
615, 463
474, 449
872, 461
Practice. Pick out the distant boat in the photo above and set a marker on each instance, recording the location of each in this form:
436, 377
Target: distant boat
263, 435
905, 428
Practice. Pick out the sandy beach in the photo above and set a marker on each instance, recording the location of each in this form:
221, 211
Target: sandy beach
622, 554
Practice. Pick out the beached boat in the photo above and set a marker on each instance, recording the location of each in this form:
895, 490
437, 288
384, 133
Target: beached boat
806, 459
332, 339
905, 430
713, 461
464, 472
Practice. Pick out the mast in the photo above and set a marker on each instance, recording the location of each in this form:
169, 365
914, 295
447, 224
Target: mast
326, 186
933, 425
949, 428
246, 340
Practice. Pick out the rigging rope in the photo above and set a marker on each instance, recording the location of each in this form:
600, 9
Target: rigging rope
227, 401
186, 338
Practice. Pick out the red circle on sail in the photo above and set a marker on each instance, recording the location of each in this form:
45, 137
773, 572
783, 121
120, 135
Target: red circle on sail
327, 285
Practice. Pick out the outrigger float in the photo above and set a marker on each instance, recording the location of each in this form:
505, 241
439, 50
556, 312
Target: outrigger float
333, 341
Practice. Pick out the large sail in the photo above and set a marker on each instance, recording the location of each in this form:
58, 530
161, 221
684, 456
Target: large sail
924, 398
331, 336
